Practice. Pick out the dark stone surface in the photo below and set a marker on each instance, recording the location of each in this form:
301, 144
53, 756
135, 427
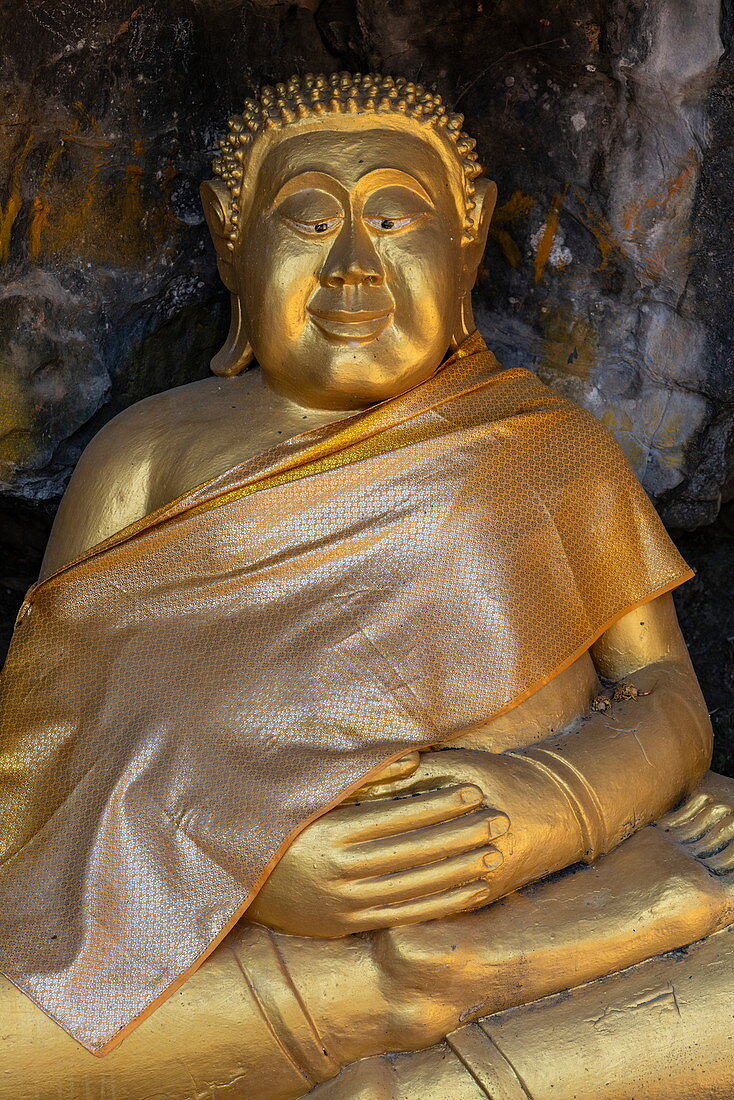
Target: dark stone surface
706, 612
607, 124
109, 289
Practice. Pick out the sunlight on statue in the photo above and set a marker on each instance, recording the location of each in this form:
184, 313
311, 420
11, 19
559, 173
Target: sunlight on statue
351, 710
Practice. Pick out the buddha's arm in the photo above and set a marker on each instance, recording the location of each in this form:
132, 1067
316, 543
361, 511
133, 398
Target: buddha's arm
574, 796
109, 489
626, 766
568, 798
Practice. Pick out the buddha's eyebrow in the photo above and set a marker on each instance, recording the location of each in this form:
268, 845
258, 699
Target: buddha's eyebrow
315, 181
366, 185
392, 177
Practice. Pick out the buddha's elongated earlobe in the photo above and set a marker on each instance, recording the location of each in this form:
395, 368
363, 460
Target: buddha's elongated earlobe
485, 197
236, 353
465, 324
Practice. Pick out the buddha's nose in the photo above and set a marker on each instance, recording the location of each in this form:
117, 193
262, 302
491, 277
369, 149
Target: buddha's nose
352, 260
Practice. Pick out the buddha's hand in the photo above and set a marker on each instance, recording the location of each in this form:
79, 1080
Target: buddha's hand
385, 862
544, 835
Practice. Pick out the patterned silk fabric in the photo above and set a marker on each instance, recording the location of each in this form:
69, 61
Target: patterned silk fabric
182, 699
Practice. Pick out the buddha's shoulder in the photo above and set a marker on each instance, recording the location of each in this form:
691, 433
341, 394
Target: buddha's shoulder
145, 456
164, 434
162, 428
540, 409
173, 411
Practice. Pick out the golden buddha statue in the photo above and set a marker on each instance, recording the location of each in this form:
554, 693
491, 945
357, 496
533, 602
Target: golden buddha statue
351, 747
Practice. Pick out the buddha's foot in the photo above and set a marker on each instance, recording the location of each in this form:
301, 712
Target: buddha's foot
704, 826
662, 1030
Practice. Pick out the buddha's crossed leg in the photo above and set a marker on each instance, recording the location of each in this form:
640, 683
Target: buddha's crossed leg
668, 886
661, 1029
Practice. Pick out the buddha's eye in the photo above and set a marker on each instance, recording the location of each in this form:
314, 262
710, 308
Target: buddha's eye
391, 225
311, 213
318, 228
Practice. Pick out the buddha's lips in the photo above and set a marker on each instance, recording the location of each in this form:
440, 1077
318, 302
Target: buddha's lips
351, 325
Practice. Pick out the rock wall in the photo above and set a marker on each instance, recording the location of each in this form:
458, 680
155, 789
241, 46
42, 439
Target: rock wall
604, 123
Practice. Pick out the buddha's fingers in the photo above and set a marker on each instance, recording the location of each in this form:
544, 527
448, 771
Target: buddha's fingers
432, 878
397, 788
421, 846
459, 900
378, 786
382, 819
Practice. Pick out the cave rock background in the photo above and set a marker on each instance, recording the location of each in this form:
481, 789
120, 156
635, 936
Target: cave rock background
606, 123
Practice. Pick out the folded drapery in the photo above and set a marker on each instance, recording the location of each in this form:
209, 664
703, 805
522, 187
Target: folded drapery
182, 699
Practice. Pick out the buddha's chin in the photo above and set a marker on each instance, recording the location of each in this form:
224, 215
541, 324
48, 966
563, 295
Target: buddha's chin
328, 371
365, 376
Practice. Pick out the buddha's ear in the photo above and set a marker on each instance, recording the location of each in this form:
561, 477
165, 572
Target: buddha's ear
217, 203
236, 354
485, 197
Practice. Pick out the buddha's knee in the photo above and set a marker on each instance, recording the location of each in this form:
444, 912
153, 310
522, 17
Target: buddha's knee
331, 1002
431, 977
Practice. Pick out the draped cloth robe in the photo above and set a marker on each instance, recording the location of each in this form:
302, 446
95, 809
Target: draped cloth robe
182, 699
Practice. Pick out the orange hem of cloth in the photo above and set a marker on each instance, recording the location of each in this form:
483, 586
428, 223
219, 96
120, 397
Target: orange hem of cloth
275, 858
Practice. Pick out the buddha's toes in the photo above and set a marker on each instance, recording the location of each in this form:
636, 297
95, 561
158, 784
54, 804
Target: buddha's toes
704, 826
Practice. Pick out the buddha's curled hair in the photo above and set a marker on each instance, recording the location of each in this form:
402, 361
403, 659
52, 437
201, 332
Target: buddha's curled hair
310, 97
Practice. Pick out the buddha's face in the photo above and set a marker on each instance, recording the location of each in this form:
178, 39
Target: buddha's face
350, 265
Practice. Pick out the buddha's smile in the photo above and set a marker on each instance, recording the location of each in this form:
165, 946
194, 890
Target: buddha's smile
351, 325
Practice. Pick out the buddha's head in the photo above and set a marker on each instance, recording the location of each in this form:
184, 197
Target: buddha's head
349, 221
